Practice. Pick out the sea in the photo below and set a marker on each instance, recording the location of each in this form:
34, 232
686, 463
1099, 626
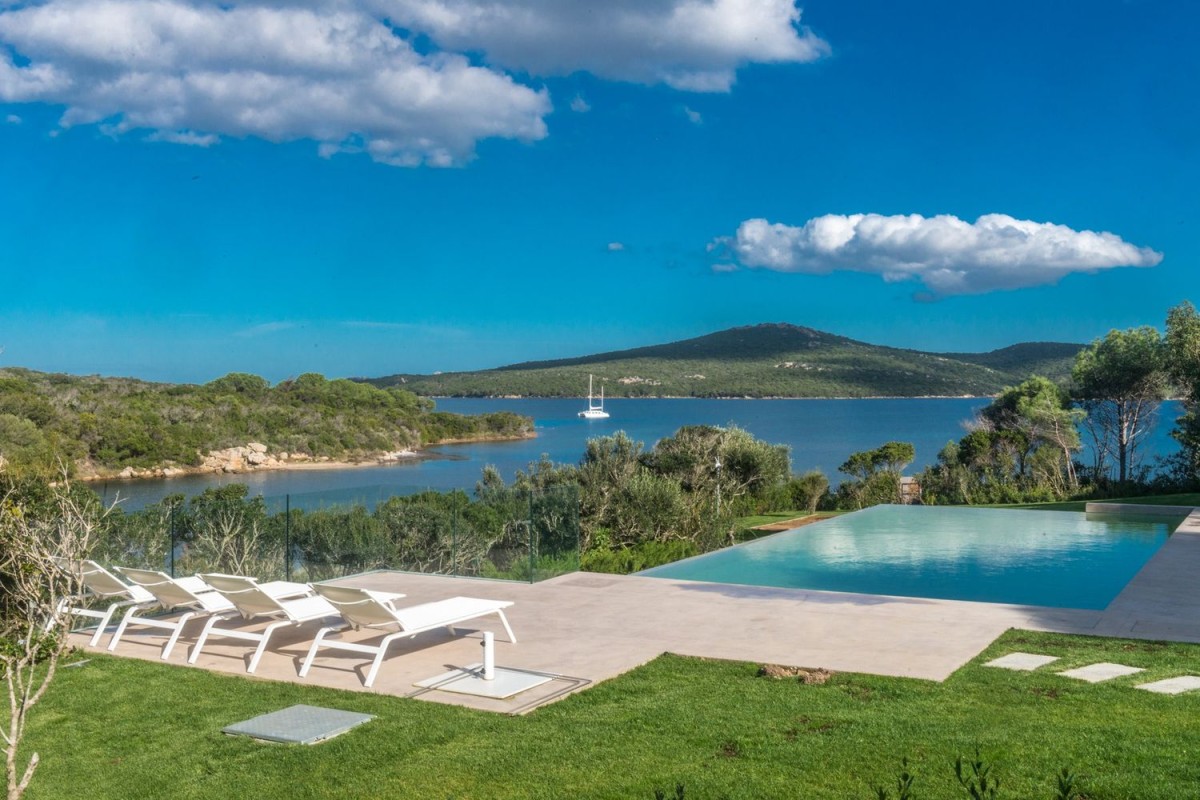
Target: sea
820, 434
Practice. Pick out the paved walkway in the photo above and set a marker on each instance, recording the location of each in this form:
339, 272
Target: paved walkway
588, 627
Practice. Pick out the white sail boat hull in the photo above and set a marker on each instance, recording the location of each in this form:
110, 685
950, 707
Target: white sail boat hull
594, 411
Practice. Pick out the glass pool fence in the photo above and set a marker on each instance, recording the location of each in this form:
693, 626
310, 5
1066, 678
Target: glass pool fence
500, 533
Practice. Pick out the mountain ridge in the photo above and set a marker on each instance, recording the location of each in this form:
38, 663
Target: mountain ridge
765, 360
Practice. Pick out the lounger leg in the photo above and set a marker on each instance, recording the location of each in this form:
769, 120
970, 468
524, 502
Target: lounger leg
383, 646
312, 651
166, 653
103, 624
507, 627
262, 645
213, 620
121, 628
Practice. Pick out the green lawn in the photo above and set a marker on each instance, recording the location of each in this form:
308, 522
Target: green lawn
121, 728
1192, 499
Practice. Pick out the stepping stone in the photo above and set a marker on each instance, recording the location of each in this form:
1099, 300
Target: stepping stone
1021, 661
1187, 683
1097, 673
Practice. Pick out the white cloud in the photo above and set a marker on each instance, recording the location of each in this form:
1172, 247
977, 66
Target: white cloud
693, 117
692, 45
191, 71
615, 247
579, 105
12, 119
948, 255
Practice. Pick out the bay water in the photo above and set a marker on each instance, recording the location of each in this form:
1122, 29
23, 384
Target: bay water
821, 434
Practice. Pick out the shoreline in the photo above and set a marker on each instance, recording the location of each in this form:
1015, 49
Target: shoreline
693, 397
243, 461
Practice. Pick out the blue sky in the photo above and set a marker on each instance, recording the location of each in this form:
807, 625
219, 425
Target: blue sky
364, 187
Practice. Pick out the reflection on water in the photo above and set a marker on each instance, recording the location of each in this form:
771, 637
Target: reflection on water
1048, 558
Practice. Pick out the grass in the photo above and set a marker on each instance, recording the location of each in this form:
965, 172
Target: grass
119, 728
1188, 499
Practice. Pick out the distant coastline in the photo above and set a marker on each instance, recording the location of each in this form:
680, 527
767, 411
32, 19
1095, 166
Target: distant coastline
254, 457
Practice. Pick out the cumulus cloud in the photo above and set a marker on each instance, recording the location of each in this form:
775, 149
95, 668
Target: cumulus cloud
692, 45
579, 105
693, 117
191, 71
949, 256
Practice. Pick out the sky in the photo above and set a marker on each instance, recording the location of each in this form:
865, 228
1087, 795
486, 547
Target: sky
369, 187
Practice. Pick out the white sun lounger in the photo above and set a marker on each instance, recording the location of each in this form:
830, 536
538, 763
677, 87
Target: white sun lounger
103, 585
362, 608
253, 601
190, 593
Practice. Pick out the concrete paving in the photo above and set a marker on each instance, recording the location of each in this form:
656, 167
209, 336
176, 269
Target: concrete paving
583, 628
1184, 683
1099, 673
1022, 662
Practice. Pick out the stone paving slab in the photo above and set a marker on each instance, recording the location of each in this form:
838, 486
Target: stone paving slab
1098, 673
1186, 683
1026, 662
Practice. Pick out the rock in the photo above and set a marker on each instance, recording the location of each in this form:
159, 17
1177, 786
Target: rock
257, 447
256, 458
126, 473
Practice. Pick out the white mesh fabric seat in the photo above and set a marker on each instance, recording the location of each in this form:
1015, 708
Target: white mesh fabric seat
363, 608
254, 601
190, 593
102, 585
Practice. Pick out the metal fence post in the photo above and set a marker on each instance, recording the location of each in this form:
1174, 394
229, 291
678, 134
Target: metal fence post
532, 535
171, 534
287, 536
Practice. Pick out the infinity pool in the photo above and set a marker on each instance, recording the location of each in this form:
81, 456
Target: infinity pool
1060, 559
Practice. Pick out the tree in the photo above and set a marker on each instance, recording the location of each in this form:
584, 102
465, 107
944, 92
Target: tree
876, 474
1033, 416
1121, 381
39, 525
1183, 350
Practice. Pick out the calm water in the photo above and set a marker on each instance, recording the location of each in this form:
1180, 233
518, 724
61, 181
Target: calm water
820, 433
1044, 558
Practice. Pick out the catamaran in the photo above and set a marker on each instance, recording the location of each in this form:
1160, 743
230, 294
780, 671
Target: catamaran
594, 411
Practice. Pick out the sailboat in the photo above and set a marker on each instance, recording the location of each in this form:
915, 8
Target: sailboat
594, 411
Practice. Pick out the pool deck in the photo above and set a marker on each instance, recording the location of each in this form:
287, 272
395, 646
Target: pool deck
584, 628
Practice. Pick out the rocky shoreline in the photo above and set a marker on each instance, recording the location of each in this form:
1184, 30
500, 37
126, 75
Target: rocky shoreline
257, 457
251, 457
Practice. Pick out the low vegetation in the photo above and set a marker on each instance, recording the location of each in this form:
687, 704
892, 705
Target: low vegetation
94, 424
116, 728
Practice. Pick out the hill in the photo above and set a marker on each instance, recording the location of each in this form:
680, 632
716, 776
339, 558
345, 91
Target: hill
767, 360
105, 426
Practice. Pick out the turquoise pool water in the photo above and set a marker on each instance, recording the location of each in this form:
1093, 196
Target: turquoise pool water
1060, 559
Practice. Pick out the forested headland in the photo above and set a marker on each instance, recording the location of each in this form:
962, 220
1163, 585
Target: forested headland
769, 360
95, 426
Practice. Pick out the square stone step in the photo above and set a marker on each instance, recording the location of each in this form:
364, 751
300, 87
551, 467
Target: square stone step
1021, 661
1186, 683
1097, 673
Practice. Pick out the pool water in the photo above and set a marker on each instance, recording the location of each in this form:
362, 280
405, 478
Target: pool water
1060, 559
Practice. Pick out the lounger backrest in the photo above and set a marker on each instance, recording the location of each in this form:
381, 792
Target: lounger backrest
169, 593
101, 582
357, 606
245, 594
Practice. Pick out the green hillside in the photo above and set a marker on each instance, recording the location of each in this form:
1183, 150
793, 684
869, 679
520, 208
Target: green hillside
769, 360
99, 426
